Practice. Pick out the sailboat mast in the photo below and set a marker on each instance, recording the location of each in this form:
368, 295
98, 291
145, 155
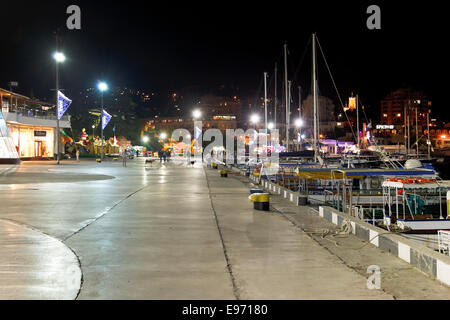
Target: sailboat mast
314, 80
289, 108
276, 97
265, 102
428, 132
299, 102
300, 117
409, 125
357, 121
286, 84
405, 130
417, 135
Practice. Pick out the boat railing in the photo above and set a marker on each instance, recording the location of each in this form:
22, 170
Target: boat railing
444, 242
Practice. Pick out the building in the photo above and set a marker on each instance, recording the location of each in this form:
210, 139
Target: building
396, 109
400, 104
169, 124
32, 125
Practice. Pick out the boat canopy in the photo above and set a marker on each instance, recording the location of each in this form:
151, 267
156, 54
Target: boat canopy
331, 173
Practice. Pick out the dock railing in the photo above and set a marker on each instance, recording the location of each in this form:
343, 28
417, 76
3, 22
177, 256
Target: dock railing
444, 241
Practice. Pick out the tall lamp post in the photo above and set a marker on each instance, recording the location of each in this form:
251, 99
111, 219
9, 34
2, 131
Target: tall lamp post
93, 132
59, 57
102, 86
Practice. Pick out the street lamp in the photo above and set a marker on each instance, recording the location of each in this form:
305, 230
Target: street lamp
93, 132
197, 114
254, 119
145, 139
163, 136
102, 87
299, 123
59, 57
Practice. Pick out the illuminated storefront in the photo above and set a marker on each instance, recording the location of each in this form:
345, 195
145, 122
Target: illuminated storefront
33, 141
32, 125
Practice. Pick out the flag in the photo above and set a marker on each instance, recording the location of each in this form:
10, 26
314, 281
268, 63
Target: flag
106, 117
63, 104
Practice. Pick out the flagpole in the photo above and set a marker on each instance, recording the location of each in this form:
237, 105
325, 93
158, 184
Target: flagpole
57, 116
101, 153
102, 86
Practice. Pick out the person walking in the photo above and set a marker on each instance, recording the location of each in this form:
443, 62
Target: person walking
124, 158
78, 154
165, 156
161, 156
188, 157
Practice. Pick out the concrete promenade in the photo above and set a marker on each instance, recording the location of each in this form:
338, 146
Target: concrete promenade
167, 231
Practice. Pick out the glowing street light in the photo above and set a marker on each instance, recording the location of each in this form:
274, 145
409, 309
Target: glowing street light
197, 114
59, 57
102, 86
270, 126
254, 119
299, 123
145, 139
163, 135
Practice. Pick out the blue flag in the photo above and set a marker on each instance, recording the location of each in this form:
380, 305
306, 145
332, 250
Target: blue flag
63, 105
106, 117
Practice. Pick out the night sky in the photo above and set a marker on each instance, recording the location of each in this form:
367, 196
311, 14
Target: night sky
166, 47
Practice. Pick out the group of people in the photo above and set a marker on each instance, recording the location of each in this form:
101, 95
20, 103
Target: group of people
164, 156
